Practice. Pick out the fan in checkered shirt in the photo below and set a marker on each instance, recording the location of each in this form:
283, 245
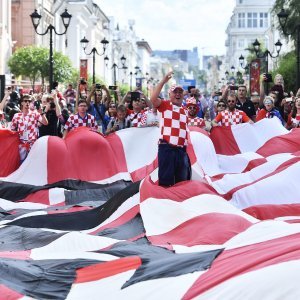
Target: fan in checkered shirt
173, 162
82, 118
231, 115
193, 110
26, 124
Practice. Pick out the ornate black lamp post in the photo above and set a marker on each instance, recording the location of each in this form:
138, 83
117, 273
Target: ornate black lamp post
115, 66
265, 54
94, 51
36, 18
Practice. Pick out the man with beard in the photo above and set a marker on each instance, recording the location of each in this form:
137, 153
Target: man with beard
193, 108
231, 115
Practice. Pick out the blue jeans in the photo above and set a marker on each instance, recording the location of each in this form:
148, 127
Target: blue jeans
173, 164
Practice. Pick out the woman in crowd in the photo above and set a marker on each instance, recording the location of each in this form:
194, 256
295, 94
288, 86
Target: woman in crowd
294, 117
269, 111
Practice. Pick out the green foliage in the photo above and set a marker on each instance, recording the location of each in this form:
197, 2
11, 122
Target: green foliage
33, 62
292, 7
287, 68
27, 61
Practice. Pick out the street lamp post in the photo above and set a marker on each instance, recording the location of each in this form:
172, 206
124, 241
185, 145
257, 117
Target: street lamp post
94, 51
245, 67
282, 16
36, 18
115, 66
265, 54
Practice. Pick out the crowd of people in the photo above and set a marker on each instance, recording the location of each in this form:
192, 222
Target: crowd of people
105, 110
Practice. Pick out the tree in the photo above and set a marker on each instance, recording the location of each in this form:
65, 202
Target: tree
292, 7
287, 69
26, 62
33, 62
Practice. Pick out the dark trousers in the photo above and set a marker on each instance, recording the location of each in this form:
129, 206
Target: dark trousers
173, 165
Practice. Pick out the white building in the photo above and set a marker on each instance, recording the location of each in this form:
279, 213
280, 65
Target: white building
251, 19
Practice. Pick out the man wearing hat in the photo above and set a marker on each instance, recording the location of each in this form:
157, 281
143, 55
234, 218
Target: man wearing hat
269, 111
193, 108
173, 162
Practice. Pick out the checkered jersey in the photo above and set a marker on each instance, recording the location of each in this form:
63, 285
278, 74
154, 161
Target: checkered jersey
135, 118
174, 122
198, 122
228, 118
26, 126
75, 121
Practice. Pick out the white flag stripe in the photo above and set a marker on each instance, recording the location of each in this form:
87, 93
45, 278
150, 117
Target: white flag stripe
162, 215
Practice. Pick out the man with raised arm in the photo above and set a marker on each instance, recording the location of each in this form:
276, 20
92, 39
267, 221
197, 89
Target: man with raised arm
173, 162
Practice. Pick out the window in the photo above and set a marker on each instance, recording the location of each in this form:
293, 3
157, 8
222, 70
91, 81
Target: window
252, 20
263, 20
240, 1
249, 21
241, 20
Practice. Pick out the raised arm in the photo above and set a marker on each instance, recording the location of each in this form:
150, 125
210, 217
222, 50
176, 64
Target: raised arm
4, 100
154, 97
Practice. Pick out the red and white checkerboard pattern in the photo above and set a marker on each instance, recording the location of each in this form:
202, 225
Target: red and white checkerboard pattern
75, 121
28, 123
135, 118
174, 128
198, 122
231, 118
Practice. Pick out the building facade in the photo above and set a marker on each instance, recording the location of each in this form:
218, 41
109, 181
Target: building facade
251, 19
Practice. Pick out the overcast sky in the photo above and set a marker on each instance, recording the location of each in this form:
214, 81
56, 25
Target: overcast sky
175, 24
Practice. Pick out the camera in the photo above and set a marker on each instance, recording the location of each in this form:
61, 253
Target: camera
268, 77
218, 93
135, 96
112, 87
98, 86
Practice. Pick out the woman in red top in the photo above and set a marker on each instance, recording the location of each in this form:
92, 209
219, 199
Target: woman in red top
294, 117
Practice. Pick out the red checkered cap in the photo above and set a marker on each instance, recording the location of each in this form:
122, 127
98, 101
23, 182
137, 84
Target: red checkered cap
174, 87
191, 101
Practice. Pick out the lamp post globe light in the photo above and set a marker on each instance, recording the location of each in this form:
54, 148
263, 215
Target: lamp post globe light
36, 18
283, 17
265, 54
84, 42
115, 66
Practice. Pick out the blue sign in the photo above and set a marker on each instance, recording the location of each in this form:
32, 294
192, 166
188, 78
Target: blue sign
185, 83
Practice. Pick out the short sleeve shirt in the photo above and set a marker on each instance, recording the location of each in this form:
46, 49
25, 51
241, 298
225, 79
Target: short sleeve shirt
135, 118
198, 122
174, 124
26, 126
228, 118
75, 121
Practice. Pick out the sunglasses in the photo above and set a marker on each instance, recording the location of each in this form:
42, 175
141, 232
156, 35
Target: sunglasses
28, 101
112, 106
221, 105
231, 101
